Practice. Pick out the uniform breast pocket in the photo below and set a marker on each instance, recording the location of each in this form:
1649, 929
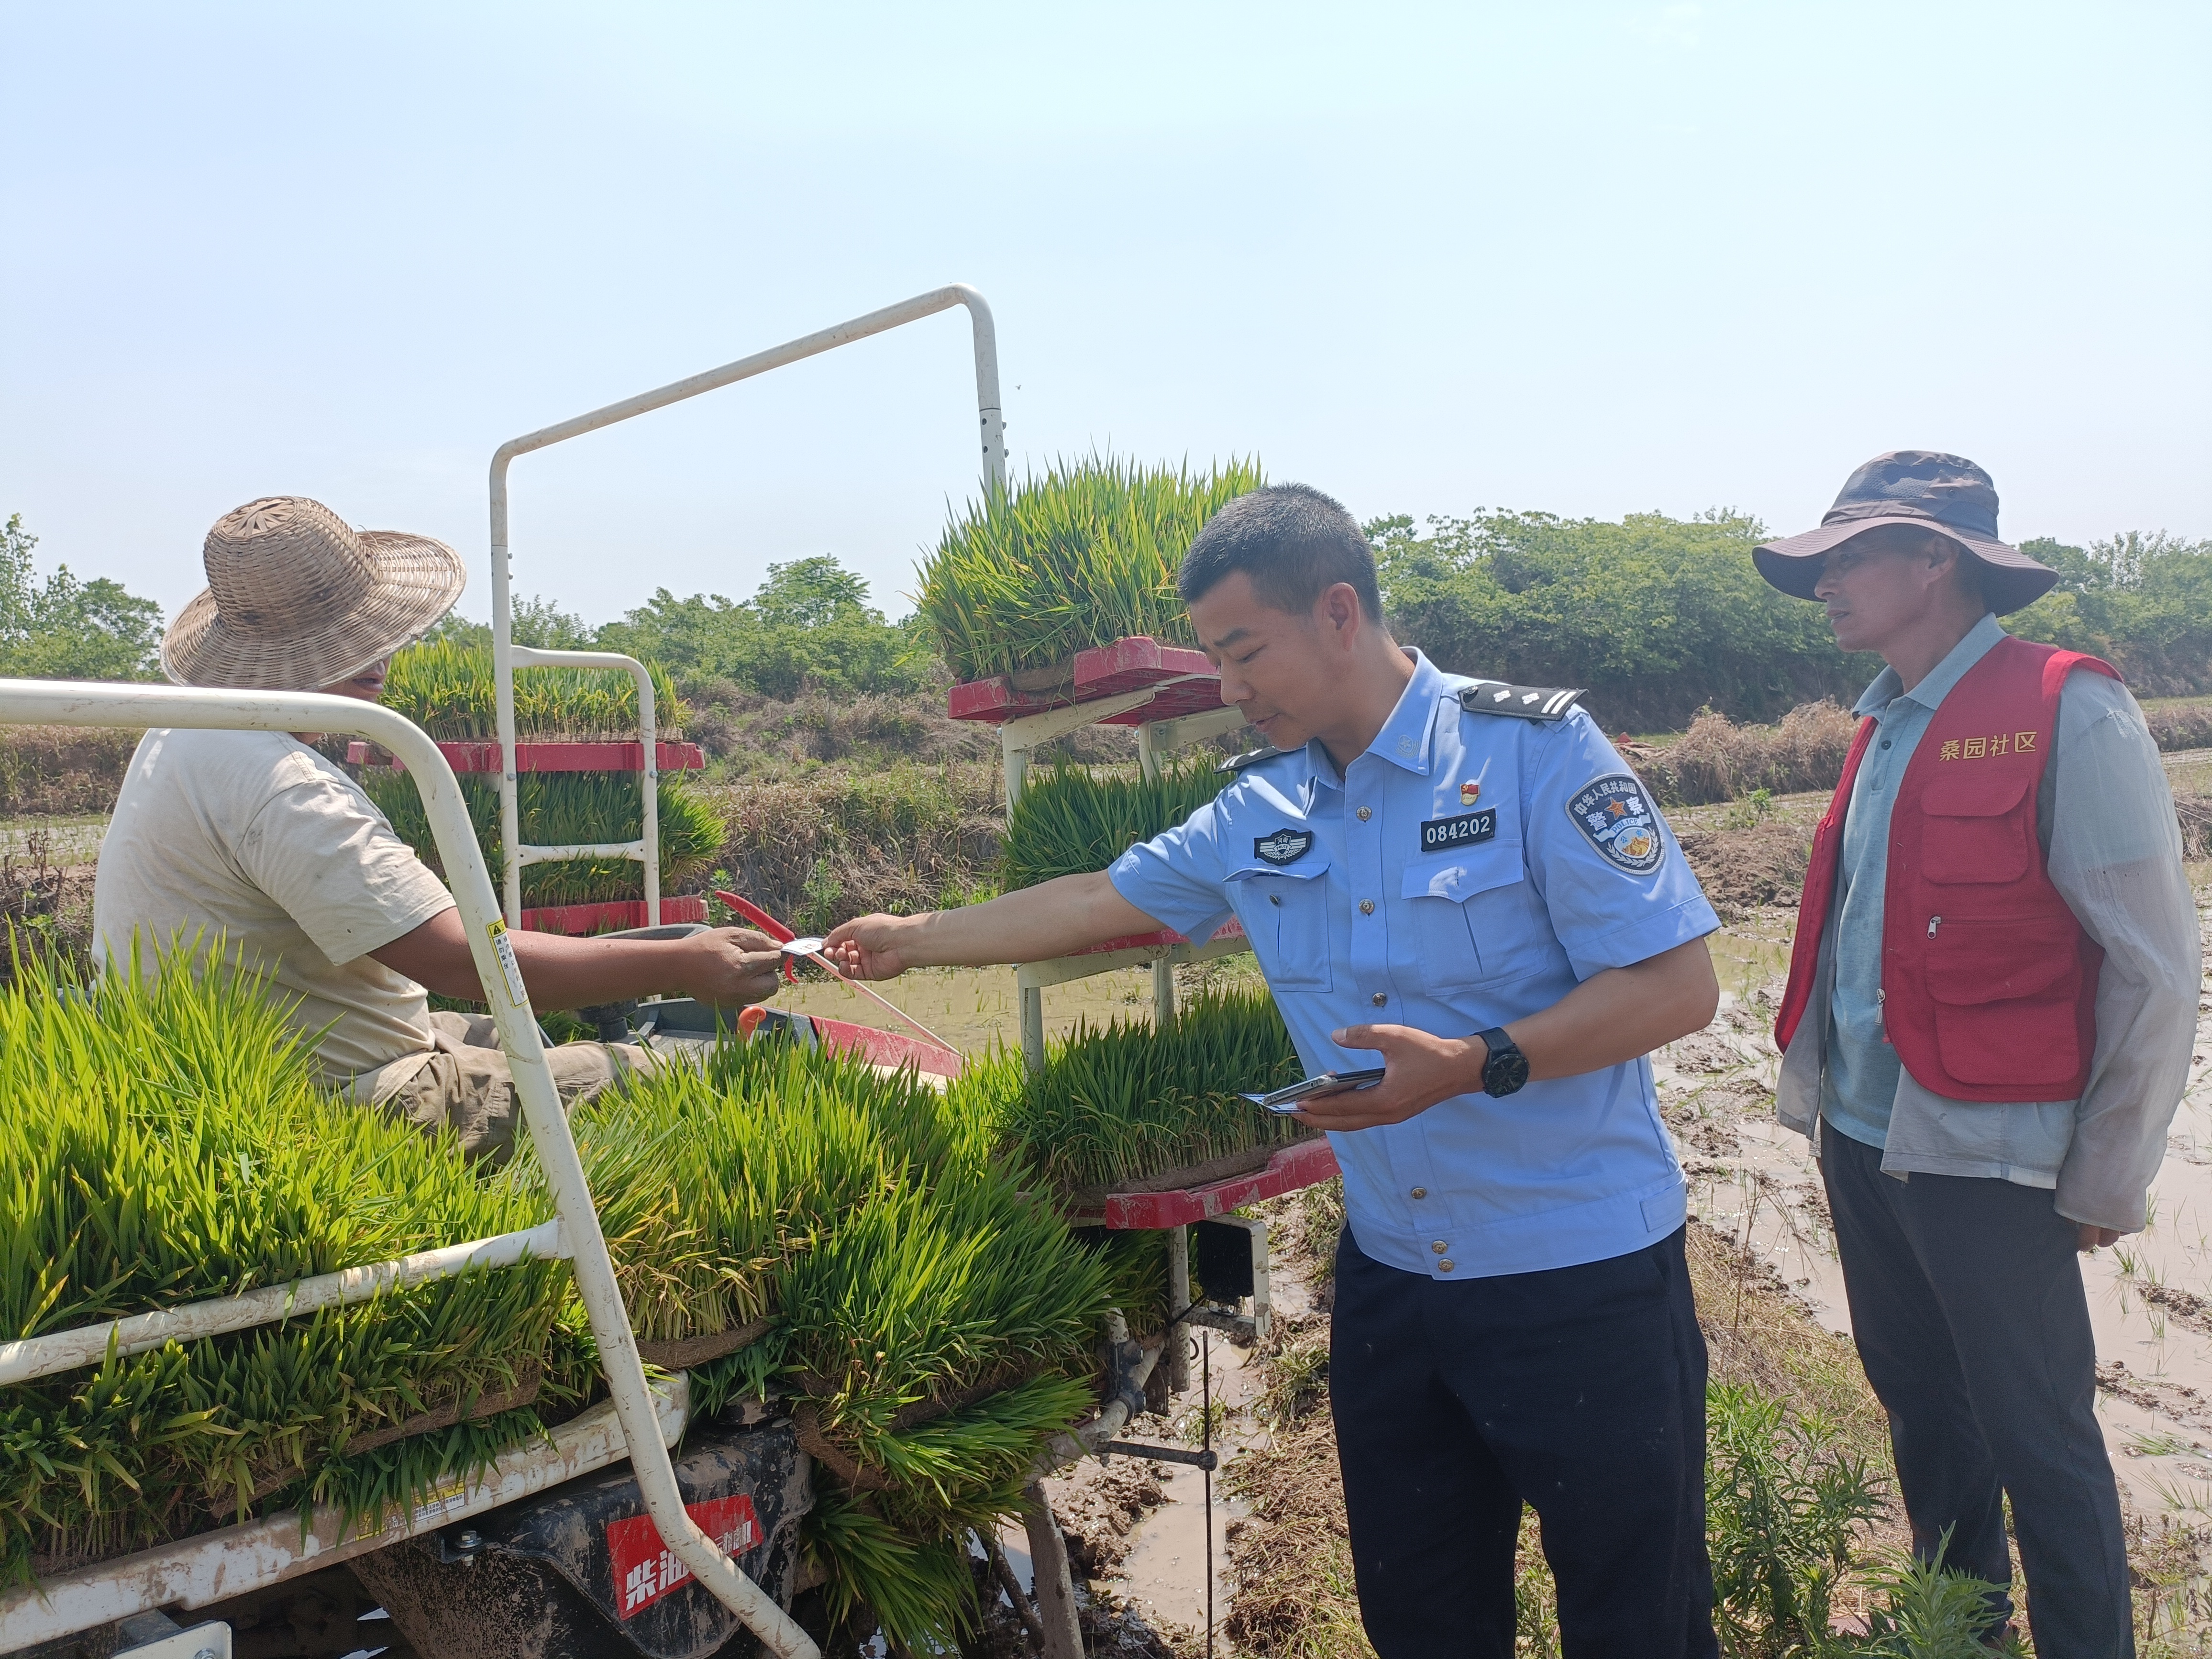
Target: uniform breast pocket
1462, 909
1976, 831
1286, 912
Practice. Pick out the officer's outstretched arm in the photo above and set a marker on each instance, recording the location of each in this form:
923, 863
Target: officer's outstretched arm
1053, 919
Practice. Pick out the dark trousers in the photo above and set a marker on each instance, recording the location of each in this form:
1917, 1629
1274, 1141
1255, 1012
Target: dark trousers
1967, 1306
1581, 1390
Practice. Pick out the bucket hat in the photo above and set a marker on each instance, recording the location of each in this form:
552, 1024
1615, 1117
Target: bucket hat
297, 598
1926, 489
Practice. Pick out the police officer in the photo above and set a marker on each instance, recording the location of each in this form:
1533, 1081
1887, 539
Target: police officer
1460, 880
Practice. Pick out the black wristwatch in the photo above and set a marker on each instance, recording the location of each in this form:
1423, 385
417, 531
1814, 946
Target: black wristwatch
1507, 1068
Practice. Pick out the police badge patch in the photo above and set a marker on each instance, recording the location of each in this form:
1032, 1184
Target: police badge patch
1616, 817
1284, 846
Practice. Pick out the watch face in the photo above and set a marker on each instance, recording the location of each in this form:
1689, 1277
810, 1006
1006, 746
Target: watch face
1505, 1072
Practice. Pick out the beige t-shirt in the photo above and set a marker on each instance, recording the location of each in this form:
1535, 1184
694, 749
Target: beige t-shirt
253, 836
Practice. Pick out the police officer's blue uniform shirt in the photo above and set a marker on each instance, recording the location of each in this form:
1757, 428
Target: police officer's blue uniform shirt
1467, 870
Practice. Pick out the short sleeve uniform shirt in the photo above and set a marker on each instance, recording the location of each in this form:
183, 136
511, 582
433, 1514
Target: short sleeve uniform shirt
1467, 870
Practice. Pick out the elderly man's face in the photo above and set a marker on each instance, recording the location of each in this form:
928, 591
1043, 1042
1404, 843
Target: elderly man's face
1877, 586
366, 686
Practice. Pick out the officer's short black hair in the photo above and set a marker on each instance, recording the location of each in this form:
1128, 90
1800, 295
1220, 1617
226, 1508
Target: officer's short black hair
1292, 541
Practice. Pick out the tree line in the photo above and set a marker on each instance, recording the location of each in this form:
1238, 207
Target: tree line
1658, 616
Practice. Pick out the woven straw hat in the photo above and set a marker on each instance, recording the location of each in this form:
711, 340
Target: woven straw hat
298, 599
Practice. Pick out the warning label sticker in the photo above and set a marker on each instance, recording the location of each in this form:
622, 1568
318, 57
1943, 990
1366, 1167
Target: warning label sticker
645, 1569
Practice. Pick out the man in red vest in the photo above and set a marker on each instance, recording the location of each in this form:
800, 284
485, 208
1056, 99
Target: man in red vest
1992, 999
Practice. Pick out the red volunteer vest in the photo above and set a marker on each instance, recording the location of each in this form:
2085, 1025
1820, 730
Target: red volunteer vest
1989, 984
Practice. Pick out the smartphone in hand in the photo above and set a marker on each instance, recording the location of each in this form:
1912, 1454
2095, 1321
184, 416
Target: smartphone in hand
1287, 1099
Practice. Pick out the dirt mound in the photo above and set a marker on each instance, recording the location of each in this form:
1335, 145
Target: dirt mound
1743, 869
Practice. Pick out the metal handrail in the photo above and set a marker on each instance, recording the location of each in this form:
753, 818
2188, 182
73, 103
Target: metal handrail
49, 702
646, 848
506, 655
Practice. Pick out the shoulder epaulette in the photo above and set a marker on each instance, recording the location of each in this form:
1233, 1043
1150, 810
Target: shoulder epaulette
1530, 702
1249, 758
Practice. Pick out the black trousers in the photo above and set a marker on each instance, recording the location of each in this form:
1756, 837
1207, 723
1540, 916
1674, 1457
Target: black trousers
1967, 1306
1581, 1390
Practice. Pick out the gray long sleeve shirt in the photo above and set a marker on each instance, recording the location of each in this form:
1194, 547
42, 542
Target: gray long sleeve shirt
2113, 851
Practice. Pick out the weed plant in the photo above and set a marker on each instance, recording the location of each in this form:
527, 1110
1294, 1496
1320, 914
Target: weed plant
1086, 555
1131, 1102
1075, 819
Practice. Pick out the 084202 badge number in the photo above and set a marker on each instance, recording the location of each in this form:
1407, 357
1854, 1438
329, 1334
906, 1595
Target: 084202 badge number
1616, 817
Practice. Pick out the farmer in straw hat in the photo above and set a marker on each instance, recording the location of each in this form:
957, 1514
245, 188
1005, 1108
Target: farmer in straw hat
1992, 1004
254, 840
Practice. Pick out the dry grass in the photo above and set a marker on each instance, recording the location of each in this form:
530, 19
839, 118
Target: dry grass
1717, 760
61, 771
2181, 724
46, 905
815, 848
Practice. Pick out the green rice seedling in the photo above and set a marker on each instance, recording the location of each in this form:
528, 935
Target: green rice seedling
1082, 555
1129, 1102
165, 1143
568, 809
1075, 819
446, 687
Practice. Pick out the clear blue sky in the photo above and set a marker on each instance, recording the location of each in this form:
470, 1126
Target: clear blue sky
1588, 257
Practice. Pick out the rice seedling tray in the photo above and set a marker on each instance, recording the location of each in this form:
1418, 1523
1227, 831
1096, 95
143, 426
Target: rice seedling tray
610, 916
1303, 1163
235, 1560
1186, 683
610, 756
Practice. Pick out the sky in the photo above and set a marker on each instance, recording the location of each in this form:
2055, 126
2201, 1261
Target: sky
1586, 258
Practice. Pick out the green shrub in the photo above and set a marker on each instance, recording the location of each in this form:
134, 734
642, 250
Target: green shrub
1783, 1506
1082, 555
808, 627
1658, 616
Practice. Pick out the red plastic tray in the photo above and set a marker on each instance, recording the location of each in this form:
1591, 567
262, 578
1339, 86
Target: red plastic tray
1299, 1165
578, 920
886, 1048
1104, 671
555, 757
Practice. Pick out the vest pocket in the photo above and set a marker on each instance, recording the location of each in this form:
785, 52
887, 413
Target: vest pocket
1973, 829
2004, 993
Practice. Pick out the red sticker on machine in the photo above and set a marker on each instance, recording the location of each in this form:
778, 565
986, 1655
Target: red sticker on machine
645, 1569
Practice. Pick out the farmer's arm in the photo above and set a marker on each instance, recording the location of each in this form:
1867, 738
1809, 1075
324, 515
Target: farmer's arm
2116, 859
725, 965
1611, 1017
1055, 918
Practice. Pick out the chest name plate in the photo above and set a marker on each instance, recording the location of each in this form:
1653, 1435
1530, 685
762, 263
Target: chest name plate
1465, 830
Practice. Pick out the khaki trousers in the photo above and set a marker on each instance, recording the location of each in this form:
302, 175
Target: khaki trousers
467, 1087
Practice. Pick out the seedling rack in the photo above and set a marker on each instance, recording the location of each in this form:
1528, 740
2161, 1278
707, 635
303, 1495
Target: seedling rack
1172, 696
239, 1559
507, 656
615, 757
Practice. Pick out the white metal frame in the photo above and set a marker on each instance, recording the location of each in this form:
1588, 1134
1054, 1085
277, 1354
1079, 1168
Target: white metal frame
73, 703
646, 849
506, 656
